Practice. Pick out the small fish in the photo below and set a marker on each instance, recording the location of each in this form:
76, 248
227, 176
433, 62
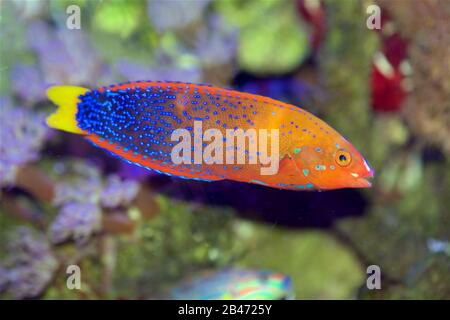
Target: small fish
136, 121
235, 284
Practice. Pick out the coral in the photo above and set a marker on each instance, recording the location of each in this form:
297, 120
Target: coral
427, 107
4, 281
29, 266
27, 83
66, 56
76, 221
117, 192
22, 134
81, 183
216, 42
13, 33
166, 15
82, 196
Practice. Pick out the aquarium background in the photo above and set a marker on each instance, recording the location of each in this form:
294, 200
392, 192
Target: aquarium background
135, 234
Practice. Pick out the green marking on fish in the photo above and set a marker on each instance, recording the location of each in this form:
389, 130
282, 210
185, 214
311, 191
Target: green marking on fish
305, 172
259, 182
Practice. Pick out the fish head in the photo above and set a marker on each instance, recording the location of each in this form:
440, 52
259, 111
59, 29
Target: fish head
329, 161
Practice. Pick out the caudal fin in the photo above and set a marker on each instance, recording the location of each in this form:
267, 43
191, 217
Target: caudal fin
66, 98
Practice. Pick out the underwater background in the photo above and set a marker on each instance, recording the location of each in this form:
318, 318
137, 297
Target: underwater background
135, 234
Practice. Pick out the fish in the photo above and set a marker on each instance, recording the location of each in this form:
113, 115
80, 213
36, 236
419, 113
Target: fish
235, 284
145, 123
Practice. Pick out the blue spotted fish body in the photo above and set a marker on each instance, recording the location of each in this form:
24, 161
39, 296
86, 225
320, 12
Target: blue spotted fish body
135, 121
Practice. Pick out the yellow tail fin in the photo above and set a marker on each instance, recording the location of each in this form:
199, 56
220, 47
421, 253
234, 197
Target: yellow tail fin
66, 98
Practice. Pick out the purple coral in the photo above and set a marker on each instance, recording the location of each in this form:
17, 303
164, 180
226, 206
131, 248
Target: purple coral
79, 190
27, 83
66, 56
118, 192
29, 266
216, 43
22, 133
4, 279
79, 216
81, 201
167, 15
76, 221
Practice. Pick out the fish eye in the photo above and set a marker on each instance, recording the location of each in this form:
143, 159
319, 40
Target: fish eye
343, 158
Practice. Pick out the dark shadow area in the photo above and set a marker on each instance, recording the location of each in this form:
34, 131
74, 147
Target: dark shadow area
294, 209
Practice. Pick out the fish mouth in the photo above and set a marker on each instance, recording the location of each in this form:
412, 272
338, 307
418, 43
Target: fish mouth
365, 181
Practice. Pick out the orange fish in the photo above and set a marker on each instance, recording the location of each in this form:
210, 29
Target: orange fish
146, 123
